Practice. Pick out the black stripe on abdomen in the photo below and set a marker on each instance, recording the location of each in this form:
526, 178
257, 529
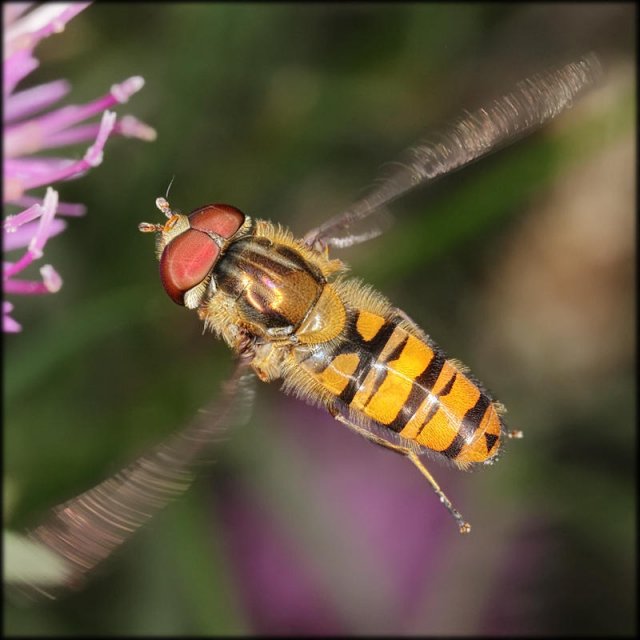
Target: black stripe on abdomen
468, 426
420, 387
368, 350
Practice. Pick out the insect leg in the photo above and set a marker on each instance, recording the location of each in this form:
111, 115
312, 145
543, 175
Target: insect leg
365, 433
463, 526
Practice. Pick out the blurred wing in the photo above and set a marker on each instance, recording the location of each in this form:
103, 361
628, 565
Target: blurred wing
532, 103
87, 529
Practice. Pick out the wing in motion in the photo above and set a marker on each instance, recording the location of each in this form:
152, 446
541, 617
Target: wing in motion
87, 529
532, 103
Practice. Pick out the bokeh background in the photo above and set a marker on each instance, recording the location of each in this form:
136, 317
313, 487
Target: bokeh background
521, 265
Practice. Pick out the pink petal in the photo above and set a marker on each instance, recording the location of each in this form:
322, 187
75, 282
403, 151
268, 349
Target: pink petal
92, 158
22, 237
11, 223
72, 209
25, 287
81, 133
29, 101
118, 94
48, 18
19, 175
9, 325
127, 126
16, 67
11, 11
51, 278
31, 136
49, 206
131, 127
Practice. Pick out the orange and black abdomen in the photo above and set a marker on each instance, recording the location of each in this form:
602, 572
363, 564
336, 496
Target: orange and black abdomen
405, 383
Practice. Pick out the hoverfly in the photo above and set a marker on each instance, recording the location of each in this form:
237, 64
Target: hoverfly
289, 312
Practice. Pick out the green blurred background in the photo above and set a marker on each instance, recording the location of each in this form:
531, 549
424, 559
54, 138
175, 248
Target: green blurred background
522, 266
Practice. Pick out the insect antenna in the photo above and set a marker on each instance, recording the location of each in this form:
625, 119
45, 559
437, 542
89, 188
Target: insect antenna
165, 207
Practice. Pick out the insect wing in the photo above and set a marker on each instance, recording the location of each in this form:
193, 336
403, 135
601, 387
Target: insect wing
532, 103
87, 529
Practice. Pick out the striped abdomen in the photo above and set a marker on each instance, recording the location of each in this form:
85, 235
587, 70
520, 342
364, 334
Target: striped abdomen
400, 381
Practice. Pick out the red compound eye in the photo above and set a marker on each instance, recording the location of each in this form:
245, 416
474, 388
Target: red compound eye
188, 258
222, 219
186, 261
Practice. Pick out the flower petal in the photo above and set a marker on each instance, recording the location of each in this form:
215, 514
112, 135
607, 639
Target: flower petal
34, 99
131, 127
22, 236
15, 68
11, 11
73, 209
49, 206
127, 126
9, 325
92, 158
11, 223
48, 18
51, 278
31, 136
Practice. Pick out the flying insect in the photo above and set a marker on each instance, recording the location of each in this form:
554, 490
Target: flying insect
289, 312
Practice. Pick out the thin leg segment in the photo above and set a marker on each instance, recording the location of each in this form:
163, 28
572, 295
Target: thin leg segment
463, 526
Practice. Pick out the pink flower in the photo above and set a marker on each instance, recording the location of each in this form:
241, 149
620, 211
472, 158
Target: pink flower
27, 131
